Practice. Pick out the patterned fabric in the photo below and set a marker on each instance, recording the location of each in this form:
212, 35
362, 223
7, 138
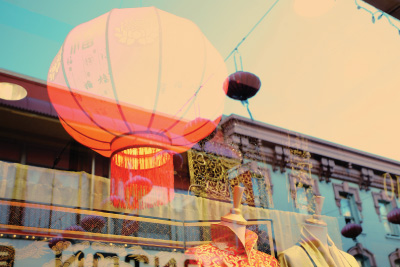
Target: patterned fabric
226, 250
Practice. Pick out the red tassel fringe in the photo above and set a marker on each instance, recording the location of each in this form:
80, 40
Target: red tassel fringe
141, 178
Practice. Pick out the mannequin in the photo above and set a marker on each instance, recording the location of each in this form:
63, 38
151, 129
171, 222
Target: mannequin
315, 225
232, 244
315, 248
234, 220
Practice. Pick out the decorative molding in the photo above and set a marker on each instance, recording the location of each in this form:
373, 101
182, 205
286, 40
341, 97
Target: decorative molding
358, 249
278, 136
280, 159
395, 255
327, 168
367, 176
330, 161
345, 188
382, 196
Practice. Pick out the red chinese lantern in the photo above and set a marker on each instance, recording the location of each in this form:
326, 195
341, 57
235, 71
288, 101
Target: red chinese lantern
351, 230
138, 85
394, 216
242, 85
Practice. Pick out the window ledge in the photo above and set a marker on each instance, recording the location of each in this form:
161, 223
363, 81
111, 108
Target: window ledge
392, 236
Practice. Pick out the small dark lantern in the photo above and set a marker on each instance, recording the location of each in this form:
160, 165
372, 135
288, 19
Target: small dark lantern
242, 85
351, 230
394, 216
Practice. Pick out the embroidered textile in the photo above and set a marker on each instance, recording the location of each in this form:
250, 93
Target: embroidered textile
226, 250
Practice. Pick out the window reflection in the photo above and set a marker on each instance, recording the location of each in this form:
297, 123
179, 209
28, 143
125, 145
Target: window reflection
349, 208
384, 208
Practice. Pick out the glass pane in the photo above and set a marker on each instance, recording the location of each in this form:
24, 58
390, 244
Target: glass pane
302, 200
383, 208
345, 207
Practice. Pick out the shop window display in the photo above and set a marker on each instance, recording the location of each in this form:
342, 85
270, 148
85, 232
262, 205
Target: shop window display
315, 247
63, 204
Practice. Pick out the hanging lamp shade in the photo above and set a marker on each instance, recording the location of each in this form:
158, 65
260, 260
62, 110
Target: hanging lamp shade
351, 230
242, 85
394, 216
138, 78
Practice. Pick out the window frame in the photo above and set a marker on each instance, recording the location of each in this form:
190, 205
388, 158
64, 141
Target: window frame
358, 249
393, 257
344, 188
382, 197
310, 183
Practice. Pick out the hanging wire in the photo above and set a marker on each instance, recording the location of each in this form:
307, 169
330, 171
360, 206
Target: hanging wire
246, 104
237, 53
251, 30
381, 14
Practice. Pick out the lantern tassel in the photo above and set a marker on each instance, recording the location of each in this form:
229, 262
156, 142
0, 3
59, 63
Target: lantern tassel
141, 178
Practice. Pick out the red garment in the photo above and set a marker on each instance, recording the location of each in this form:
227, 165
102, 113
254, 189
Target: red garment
226, 250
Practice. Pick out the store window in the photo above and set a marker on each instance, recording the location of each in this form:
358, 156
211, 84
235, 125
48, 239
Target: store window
364, 257
348, 200
385, 208
383, 205
303, 192
348, 208
304, 199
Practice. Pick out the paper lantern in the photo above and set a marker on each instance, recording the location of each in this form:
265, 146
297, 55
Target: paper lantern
351, 230
394, 216
242, 85
132, 83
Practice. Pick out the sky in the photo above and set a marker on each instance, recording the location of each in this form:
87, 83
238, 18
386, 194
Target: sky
326, 69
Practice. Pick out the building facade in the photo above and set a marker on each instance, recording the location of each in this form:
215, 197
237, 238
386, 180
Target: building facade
56, 189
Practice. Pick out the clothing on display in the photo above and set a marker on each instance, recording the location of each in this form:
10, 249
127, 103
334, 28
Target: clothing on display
232, 244
227, 250
315, 248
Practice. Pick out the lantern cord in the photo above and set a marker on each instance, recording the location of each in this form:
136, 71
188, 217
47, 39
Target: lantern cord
240, 60
188, 103
379, 13
246, 104
251, 30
